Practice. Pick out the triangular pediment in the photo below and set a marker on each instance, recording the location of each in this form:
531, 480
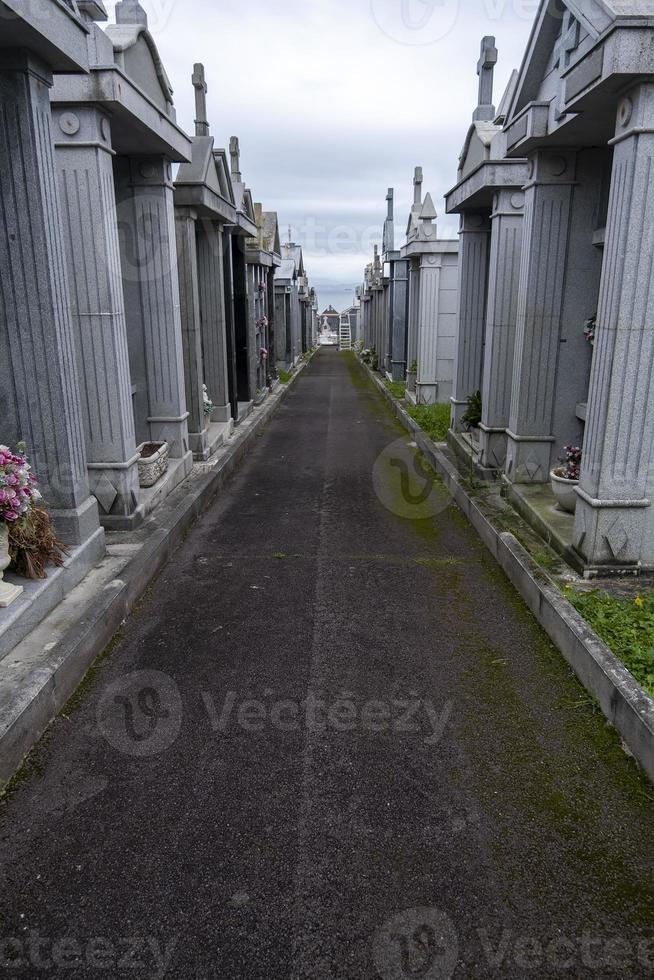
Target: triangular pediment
137, 55
476, 148
271, 232
223, 176
198, 171
248, 205
562, 34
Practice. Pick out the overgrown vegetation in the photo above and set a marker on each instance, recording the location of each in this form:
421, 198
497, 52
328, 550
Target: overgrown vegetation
472, 417
396, 388
432, 419
625, 625
285, 376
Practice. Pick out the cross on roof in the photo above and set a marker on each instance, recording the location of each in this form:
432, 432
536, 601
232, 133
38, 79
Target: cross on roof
485, 69
200, 86
389, 199
417, 186
235, 154
130, 12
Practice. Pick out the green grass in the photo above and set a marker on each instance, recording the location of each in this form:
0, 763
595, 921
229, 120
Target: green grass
432, 419
396, 388
285, 376
626, 626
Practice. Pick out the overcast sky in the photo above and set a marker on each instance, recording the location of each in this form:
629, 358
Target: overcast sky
334, 101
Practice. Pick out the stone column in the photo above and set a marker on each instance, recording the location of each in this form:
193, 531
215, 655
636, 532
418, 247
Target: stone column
503, 280
414, 296
230, 336
39, 384
398, 315
272, 323
615, 519
187, 262
469, 358
149, 260
85, 163
429, 301
242, 321
548, 200
212, 315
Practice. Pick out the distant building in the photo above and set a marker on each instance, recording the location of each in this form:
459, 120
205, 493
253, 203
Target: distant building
330, 320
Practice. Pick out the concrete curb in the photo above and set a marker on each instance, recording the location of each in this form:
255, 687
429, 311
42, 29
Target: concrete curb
622, 700
35, 692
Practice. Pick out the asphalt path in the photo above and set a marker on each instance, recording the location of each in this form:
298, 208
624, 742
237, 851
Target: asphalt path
330, 743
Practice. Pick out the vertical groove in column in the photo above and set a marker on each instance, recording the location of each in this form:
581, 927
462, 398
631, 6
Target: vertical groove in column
45, 404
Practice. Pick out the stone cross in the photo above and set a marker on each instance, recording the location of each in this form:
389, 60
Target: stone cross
235, 154
200, 86
486, 69
131, 12
389, 224
417, 186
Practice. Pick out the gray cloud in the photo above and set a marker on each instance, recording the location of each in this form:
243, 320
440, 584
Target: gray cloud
334, 101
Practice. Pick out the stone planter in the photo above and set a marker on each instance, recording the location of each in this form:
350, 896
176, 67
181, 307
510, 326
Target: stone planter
564, 490
153, 462
8, 593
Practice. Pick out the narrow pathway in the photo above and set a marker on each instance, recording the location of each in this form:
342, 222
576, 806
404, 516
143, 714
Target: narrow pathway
331, 743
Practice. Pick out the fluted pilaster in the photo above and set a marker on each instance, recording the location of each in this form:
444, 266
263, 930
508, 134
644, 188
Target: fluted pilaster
473, 280
503, 281
212, 315
84, 159
39, 389
399, 303
428, 310
548, 201
187, 263
614, 522
149, 263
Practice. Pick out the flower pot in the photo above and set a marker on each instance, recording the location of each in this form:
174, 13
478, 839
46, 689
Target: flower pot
8, 593
153, 462
564, 490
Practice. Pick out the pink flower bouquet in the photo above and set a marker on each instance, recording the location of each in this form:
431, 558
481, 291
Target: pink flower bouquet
18, 492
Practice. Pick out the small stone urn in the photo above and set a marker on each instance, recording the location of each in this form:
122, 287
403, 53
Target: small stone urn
7, 592
564, 490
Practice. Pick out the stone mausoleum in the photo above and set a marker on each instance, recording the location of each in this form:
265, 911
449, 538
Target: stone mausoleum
556, 307
137, 304
409, 303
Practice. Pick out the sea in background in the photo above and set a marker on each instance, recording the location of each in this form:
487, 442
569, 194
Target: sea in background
330, 295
